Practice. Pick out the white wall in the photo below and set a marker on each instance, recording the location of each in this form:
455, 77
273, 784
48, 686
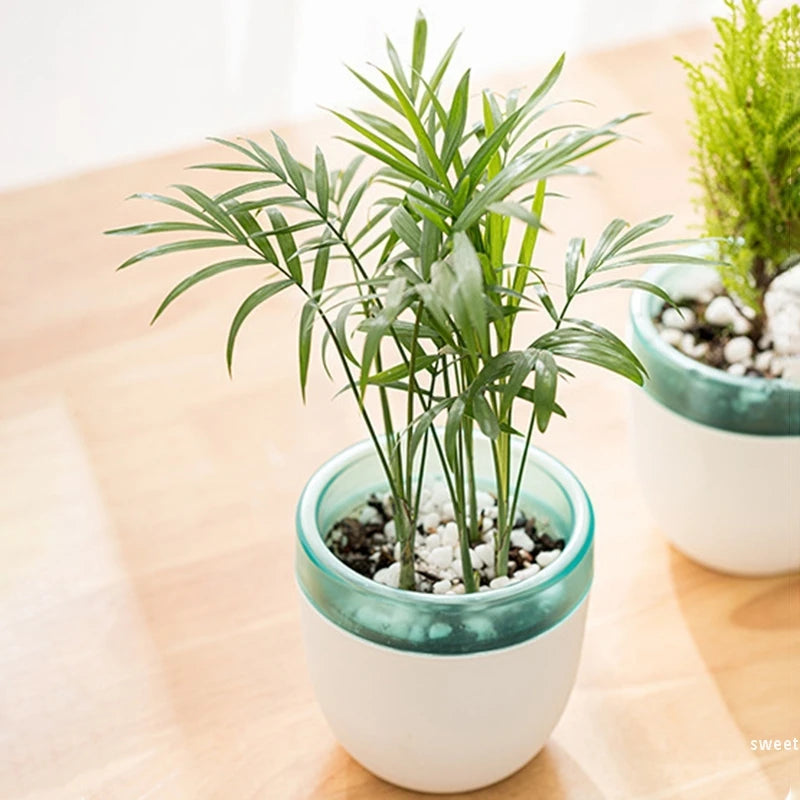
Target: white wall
85, 83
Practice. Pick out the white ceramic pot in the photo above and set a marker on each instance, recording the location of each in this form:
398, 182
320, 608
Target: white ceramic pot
717, 455
424, 690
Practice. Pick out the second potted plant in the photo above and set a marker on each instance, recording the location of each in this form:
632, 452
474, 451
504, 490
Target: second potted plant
716, 431
446, 558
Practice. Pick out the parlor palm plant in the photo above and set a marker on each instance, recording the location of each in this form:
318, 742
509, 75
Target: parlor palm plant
429, 293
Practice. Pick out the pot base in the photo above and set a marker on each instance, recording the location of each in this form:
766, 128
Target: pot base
726, 500
434, 723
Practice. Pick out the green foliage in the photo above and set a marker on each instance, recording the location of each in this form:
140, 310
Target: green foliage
747, 132
422, 299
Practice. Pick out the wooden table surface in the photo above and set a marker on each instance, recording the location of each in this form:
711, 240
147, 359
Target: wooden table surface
149, 637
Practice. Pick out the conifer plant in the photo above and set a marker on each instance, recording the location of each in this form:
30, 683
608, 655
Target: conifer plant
746, 127
405, 264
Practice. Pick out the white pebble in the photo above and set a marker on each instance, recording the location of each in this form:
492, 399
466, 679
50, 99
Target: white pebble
397, 550
521, 539
672, 336
699, 283
547, 557
448, 512
369, 516
763, 361
490, 512
459, 589
484, 552
439, 494
722, 311
782, 308
527, 572
484, 499
449, 534
487, 524
691, 347
499, 582
432, 541
741, 325
388, 530
442, 587
738, 349
389, 576
738, 369
483, 588
682, 319
430, 522
441, 556
790, 370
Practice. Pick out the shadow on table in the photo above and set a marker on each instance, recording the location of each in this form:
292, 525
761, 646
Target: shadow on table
747, 631
553, 774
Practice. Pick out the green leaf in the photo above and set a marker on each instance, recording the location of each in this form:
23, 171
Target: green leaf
476, 166
547, 301
352, 203
292, 167
160, 227
177, 247
321, 184
454, 416
545, 86
418, 52
544, 389
213, 209
320, 269
379, 93
397, 66
253, 301
409, 170
586, 345
400, 371
438, 75
456, 120
181, 206
307, 316
230, 167
604, 243
388, 129
469, 289
250, 226
346, 177
404, 226
485, 417
419, 131
631, 283
518, 211
524, 363
204, 274
575, 250
286, 243
246, 188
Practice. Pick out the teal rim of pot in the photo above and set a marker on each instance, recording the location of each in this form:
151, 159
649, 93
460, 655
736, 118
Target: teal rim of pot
442, 624
741, 404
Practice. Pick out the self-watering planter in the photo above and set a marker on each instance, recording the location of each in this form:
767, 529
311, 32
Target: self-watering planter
717, 455
422, 689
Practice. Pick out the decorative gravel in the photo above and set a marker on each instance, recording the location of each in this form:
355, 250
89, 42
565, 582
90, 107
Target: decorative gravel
366, 542
713, 328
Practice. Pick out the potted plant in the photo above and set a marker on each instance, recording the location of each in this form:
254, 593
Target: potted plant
445, 558
715, 431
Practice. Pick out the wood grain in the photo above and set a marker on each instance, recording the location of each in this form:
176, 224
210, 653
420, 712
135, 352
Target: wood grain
149, 639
